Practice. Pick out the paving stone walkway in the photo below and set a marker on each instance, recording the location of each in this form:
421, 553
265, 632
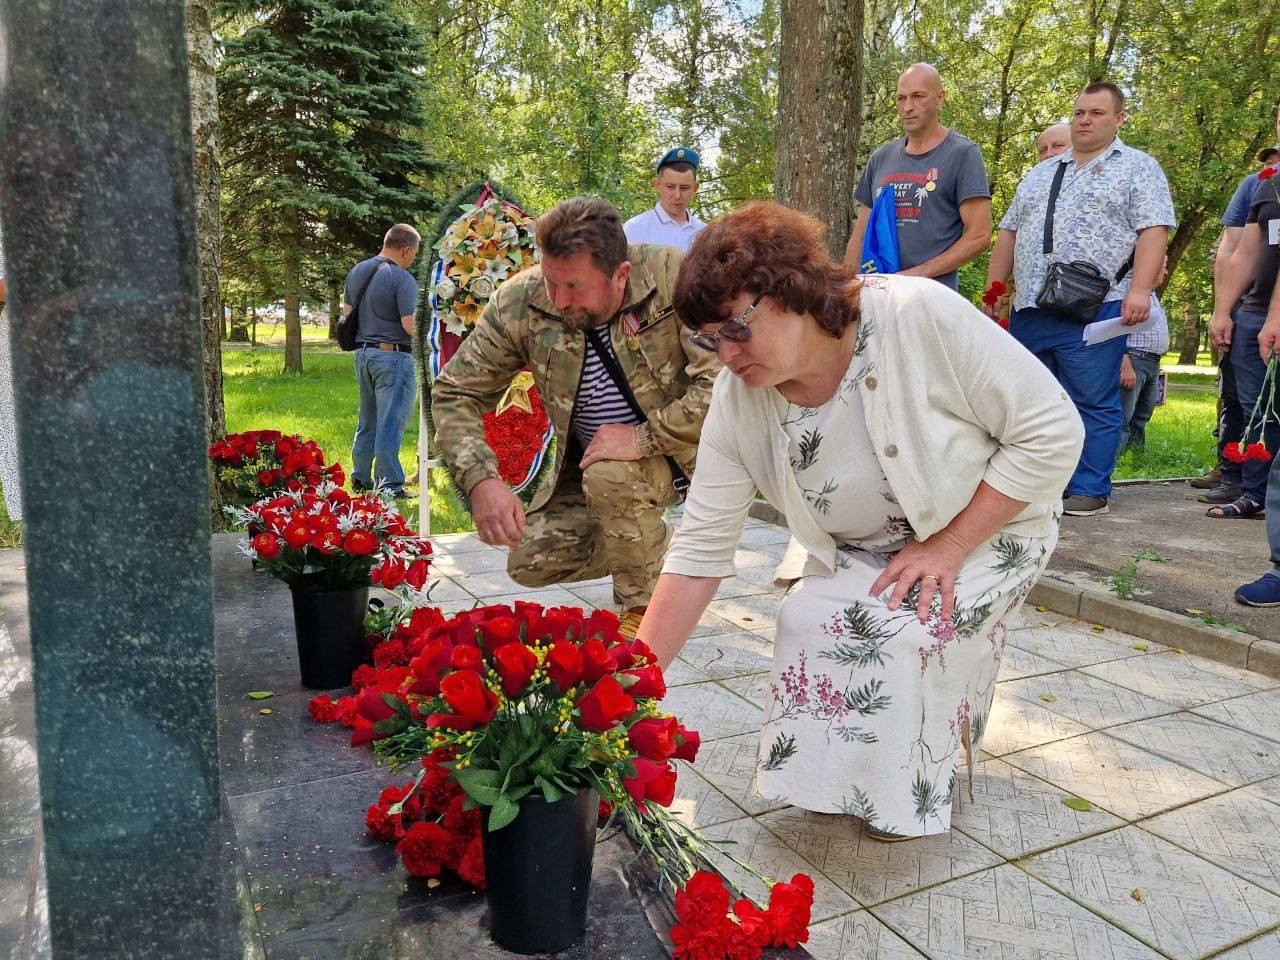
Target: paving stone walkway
1179, 757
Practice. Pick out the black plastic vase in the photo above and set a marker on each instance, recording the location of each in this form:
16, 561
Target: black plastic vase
330, 629
538, 873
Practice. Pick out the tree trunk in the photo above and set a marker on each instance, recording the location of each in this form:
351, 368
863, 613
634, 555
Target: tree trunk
201, 60
292, 324
335, 310
1190, 335
819, 112
239, 329
253, 325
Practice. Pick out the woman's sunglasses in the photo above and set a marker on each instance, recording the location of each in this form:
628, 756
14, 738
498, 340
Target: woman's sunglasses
733, 330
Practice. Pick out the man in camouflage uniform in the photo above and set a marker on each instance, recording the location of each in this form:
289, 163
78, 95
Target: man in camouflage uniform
622, 449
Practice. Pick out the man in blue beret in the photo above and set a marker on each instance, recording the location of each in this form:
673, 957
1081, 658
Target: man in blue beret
669, 222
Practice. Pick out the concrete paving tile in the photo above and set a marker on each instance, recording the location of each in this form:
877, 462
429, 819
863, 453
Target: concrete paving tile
473, 563
1016, 663
757, 535
752, 580
1004, 913
547, 596
729, 654
857, 936
458, 543
1180, 678
443, 590
730, 766
498, 584
1238, 831
757, 612
698, 804
1256, 712
754, 688
680, 674
1016, 814
1015, 724
1206, 746
869, 870
1110, 773
712, 710
751, 843
1265, 947
594, 595
1085, 699
1268, 789
746, 557
1072, 648
1181, 904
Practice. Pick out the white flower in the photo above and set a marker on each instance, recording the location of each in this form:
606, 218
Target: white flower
497, 271
481, 287
445, 289
454, 323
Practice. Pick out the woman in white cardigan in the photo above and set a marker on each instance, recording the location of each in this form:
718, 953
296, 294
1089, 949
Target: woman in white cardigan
919, 454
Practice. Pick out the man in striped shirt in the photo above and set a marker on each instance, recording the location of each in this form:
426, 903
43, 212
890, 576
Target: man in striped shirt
625, 391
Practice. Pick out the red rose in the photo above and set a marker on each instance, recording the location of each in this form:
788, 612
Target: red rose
427, 666
621, 655
605, 705
687, 744
654, 737
390, 574
564, 664
416, 576
790, 905
596, 661
648, 682
653, 781
467, 695
267, 477
266, 545
499, 631
557, 624
296, 535
360, 543
336, 474
371, 705
515, 664
466, 658
602, 623
1266, 173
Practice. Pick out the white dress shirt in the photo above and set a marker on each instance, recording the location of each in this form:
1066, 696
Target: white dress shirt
657, 226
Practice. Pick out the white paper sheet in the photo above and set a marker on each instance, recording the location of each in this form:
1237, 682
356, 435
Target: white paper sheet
1102, 330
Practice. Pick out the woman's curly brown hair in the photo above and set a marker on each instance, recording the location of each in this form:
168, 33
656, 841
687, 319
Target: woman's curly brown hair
766, 248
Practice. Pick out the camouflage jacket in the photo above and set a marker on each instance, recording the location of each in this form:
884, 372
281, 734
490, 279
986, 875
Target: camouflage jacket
670, 378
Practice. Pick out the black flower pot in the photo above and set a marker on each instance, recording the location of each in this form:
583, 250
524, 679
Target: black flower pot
330, 629
538, 873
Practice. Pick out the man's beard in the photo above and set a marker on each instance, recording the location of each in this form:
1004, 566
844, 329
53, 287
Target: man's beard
584, 320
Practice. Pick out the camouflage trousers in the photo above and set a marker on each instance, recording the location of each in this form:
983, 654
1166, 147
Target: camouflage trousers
606, 520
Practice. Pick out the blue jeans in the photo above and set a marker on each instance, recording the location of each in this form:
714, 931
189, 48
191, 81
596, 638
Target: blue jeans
1231, 419
1091, 377
1273, 515
387, 386
1139, 403
1249, 370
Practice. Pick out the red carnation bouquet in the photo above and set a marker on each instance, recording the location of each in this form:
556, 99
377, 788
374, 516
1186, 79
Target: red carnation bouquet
323, 538
262, 463
1264, 412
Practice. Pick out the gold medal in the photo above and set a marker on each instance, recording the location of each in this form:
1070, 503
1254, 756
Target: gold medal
931, 186
633, 342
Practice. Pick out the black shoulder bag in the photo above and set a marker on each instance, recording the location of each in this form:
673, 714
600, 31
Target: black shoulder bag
1077, 289
349, 326
614, 370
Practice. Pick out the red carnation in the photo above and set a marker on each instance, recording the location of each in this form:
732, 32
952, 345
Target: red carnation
360, 543
424, 849
266, 545
322, 709
703, 900
654, 737
753, 931
471, 864
790, 905
416, 575
390, 654
515, 664
1257, 451
467, 695
1266, 173
605, 705
390, 574
1233, 453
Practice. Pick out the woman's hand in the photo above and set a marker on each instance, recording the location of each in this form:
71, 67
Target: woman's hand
934, 564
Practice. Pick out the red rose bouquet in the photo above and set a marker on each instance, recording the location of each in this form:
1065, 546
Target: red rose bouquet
262, 463
1264, 412
322, 538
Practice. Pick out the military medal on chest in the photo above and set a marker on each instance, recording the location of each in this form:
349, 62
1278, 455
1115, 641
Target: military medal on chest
631, 327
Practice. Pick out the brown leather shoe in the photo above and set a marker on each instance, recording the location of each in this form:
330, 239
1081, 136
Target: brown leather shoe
1210, 480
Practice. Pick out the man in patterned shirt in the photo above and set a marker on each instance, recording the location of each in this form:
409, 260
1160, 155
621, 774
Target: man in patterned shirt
625, 391
1114, 204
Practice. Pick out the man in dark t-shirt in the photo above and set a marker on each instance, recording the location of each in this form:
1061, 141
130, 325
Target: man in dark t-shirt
941, 193
384, 360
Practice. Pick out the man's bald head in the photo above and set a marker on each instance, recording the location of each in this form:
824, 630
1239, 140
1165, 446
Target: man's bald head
920, 99
1055, 140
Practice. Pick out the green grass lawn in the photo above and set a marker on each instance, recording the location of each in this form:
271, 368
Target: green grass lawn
321, 404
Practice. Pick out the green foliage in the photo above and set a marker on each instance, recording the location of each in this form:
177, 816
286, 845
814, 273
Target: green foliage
1122, 581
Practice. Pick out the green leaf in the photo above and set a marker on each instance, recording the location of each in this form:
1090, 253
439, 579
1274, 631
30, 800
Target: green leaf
1048, 698
259, 694
1077, 803
504, 811
550, 792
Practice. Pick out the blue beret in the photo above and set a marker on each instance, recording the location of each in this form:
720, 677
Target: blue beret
680, 155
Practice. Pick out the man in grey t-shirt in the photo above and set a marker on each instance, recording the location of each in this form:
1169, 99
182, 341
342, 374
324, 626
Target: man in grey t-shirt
384, 359
939, 180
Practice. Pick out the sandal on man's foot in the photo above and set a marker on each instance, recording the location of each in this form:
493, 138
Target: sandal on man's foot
1242, 508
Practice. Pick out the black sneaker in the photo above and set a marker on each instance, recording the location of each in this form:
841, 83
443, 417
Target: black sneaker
1223, 493
359, 486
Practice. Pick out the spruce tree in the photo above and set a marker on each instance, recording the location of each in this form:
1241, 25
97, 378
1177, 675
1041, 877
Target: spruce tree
320, 105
